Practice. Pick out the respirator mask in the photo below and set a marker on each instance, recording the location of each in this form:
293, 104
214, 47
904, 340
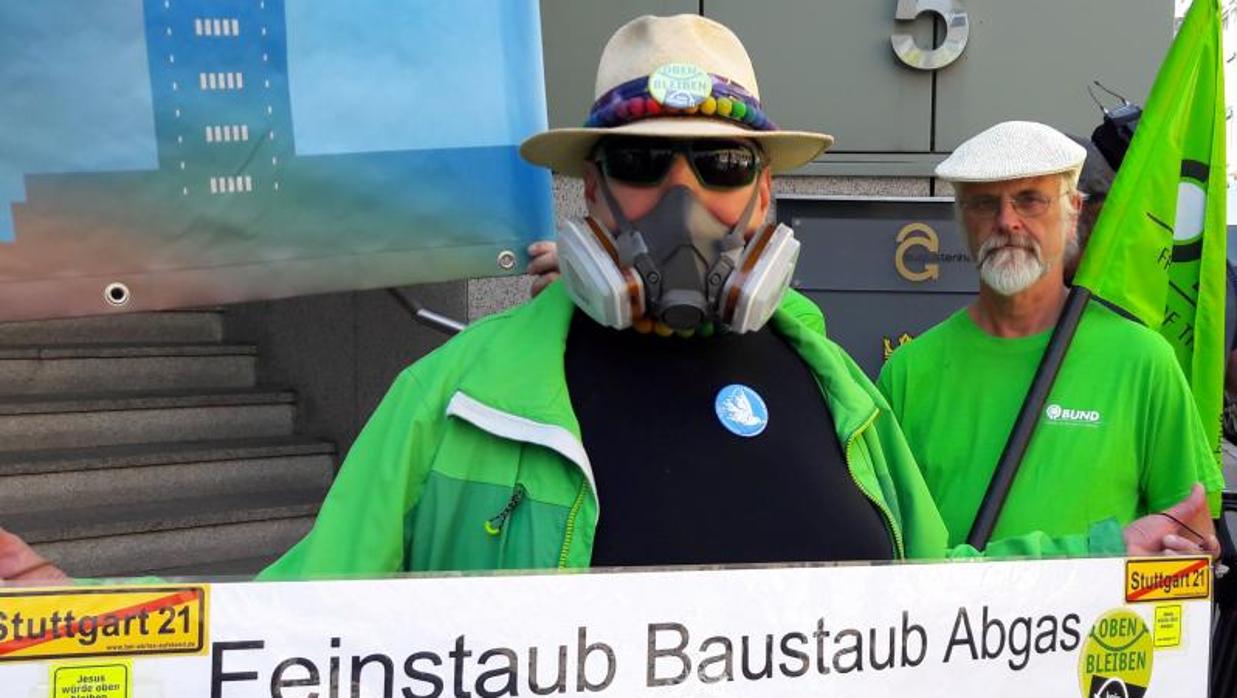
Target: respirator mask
677, 264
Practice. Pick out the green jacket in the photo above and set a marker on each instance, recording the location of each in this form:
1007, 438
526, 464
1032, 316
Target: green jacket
474, 461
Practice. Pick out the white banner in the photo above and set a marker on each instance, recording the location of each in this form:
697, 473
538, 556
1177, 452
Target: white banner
1109, 627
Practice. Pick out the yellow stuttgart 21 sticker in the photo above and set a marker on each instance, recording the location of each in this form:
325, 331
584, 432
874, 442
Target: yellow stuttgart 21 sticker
71, 623
1167, 579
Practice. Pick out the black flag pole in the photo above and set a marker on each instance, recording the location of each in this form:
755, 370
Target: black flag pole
1028, 417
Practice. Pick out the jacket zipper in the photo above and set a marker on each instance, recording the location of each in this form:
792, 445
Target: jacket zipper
880, 504
494, 524
571, 522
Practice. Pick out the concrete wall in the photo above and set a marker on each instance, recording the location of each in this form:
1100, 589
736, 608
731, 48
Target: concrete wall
340, 351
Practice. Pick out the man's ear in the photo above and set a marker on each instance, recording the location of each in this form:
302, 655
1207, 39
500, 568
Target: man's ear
1077, 200
590, 184
765, 200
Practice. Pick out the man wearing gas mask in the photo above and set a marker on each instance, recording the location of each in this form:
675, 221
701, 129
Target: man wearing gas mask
662, 404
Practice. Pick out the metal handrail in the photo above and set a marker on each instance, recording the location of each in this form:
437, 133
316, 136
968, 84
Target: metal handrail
435, 321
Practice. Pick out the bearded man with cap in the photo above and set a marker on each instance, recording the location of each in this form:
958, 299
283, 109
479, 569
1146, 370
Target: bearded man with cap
1120, 435
660, 404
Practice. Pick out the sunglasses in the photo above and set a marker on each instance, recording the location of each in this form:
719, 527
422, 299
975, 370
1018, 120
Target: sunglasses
644, 162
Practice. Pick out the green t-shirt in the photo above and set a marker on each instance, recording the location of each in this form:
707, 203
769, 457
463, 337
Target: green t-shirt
1119, 436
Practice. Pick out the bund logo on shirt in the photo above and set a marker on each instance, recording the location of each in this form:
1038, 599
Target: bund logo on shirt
1058, 414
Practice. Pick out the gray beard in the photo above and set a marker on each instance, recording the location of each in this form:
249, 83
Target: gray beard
1010, 264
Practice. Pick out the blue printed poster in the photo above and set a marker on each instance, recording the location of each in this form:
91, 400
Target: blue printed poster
213, 151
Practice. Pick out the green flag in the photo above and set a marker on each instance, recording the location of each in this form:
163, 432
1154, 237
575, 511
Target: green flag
1158, 248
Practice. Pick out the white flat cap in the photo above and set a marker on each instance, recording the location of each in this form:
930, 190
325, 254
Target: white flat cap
1012, 150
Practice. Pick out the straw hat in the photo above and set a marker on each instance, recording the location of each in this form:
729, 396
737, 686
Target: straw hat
1013, 150
676, 77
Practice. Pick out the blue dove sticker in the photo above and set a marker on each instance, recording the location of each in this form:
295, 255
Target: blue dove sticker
741, 410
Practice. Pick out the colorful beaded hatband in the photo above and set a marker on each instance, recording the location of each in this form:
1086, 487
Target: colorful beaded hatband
639, 99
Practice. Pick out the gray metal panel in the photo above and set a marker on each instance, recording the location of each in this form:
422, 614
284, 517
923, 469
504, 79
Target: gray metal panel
1033, 60
849, 265
861, 322
828, 66
573, 32
853, 245
838, 164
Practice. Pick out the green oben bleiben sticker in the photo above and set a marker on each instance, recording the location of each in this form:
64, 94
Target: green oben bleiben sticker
1116, 657
680, 85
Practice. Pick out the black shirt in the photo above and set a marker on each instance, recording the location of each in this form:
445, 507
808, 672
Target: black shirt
677, 487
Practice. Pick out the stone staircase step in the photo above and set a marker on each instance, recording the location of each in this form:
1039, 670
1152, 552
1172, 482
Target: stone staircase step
180, 326
183, 551
106, 419
219, 570
54, 460
51, 525
137, 443
184, 533
100, 367
118, 475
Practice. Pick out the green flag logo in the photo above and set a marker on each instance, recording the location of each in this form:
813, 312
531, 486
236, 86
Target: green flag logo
1157, 250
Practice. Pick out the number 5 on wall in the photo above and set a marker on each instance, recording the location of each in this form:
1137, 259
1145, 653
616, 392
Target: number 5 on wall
958, 31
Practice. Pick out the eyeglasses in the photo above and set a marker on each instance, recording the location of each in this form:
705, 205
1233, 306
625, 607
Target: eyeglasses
645, 162
1029, 204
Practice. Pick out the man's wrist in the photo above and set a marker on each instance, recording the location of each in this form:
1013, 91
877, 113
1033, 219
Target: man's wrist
1106, 538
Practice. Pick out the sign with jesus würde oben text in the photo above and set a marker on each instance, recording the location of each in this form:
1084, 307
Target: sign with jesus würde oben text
1058, 628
